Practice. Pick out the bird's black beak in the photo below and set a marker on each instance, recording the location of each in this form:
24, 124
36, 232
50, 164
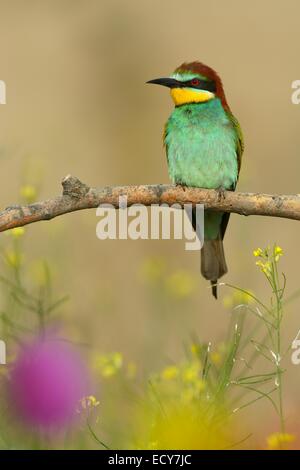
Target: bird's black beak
168, 82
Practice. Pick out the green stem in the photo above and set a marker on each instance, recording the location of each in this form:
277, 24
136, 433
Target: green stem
275, 279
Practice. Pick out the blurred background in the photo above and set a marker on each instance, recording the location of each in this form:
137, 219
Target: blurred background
77, 103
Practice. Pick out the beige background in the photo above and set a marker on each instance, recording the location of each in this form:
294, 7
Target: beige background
77, 103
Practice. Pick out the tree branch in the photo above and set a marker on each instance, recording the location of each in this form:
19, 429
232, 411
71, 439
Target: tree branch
77, 196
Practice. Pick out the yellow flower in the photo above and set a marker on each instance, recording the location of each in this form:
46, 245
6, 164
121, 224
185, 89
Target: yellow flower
196, 349
89, 402
170, 373
153, 269
264, 267
13, 258
200, 385
279, 441
278, 250
28, 193
17, 232
277, 253
238, 298
109, 364
258, 252
187, 427
216, 357
268, 255
191, 372
267, 267
108, 370
260, 264
180, 284
117, 359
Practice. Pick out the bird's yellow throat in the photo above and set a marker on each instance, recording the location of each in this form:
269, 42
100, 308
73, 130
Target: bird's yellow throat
189, 95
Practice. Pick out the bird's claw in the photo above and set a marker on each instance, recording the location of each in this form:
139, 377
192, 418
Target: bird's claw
181, 186
221, 194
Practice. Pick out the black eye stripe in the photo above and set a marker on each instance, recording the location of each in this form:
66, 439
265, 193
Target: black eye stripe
207, 85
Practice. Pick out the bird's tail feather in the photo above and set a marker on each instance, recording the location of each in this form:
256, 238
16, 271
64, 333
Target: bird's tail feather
213, 263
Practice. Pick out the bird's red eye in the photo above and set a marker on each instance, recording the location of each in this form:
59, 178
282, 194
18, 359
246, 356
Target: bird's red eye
195, 81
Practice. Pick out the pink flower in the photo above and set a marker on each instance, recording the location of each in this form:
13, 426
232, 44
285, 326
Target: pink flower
47, 382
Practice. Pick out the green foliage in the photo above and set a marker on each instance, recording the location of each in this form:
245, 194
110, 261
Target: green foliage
28, 304
179, 406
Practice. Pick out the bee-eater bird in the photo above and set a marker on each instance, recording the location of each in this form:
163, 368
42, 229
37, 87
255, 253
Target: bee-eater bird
204, 146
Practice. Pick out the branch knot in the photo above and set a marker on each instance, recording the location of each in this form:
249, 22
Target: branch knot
73, 187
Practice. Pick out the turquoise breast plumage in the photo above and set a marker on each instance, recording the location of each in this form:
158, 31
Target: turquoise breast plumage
201, 144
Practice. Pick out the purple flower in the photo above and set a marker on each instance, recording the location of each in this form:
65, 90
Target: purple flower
47, 381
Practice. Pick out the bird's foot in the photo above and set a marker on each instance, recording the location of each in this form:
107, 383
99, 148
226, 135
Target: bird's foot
221, 193
181, 186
